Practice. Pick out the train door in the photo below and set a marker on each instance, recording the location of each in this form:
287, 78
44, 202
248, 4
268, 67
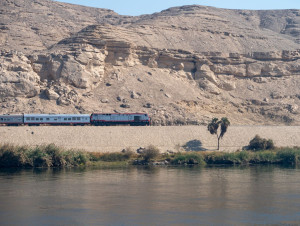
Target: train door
137, 118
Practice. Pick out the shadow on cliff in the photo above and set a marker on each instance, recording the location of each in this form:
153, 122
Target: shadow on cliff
194, 145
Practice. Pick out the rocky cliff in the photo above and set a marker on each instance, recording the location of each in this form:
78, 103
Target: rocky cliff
182, 65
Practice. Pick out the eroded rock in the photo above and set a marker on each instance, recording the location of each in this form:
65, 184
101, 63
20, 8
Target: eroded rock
51, 94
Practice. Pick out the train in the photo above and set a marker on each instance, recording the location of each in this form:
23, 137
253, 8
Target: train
94, 119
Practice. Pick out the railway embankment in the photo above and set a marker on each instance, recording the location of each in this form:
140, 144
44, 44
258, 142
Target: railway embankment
172, 138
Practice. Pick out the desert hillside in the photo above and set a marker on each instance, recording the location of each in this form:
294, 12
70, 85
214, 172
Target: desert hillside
183, 65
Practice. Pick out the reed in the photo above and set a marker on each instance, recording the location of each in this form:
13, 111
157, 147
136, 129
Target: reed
41, 156
188, 159
283, 156
110, 157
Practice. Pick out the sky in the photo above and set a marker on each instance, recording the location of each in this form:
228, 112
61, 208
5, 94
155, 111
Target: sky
138, 7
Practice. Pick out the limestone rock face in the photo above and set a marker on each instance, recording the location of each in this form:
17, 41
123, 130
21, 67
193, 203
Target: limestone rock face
84, 70
17, 79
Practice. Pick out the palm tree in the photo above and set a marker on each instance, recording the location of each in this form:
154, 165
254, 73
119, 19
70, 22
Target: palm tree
214, 126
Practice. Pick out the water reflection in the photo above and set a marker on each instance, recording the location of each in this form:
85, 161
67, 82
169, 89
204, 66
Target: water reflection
160, 196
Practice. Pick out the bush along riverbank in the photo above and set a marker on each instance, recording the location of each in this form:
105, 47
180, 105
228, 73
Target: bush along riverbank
53, 156
284, 156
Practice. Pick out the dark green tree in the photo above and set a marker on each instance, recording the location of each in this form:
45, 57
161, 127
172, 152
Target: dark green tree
214, 125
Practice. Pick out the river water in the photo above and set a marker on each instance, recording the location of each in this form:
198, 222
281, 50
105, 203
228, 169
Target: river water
151, 196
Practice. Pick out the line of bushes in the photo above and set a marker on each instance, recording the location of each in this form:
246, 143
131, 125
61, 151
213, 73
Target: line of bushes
287, 156
40, 156
54, 156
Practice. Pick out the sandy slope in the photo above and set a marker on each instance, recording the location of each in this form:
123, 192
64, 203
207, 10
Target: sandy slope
114, 139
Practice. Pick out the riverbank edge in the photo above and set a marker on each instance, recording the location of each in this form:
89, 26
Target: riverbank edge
46, 156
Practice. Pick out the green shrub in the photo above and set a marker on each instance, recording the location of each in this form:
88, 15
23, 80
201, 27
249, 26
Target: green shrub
217, 158
13, 156
243, 156
10, 158
74, 158
56, 155
192, 158
40, 156
111, 157
289, 156
80, 158
264, 157
150, 152
258, 143
227, 158
128, 153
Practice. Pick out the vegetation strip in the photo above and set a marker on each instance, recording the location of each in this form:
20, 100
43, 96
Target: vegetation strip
54, 156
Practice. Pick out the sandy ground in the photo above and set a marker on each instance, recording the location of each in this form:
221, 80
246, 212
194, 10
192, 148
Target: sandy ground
114, 139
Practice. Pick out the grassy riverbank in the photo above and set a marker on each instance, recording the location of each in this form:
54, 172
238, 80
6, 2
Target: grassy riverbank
285, 156
53, 156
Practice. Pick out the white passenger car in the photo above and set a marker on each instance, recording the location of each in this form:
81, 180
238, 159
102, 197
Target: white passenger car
11, 120
56, 119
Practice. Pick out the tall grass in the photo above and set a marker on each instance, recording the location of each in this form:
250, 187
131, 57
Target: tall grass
111, 157
227, 158
264, 157
290, 156
40, 156
188, 158
286, 156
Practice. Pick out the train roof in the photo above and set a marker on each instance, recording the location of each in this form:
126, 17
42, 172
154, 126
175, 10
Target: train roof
57, 115
119, 114
11, 115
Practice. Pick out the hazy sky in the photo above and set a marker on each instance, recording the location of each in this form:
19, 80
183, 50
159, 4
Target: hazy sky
138, 7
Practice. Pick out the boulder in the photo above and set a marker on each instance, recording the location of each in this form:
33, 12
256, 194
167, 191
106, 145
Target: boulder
125, 106
134, 95
293, 108
204, 71
227, 85
104, 101
148, 105
209, 87
51, 94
